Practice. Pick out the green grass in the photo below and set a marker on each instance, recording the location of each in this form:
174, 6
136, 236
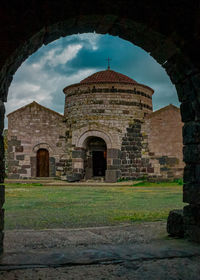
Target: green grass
33, 206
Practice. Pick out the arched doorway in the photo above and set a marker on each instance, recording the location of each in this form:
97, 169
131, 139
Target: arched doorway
169, 41
96, 157
42, 163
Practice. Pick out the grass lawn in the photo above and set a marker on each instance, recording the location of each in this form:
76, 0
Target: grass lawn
33, 206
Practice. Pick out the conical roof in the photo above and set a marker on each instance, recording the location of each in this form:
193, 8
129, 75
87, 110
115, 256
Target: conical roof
108, 76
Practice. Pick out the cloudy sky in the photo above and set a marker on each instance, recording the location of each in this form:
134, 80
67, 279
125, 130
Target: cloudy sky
68, 60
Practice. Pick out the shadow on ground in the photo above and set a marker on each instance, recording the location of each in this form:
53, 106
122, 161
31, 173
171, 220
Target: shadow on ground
139, 251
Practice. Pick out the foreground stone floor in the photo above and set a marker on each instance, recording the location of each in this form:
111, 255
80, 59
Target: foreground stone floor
138, 251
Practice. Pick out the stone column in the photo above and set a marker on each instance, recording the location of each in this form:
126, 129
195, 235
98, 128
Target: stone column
191, 187
113, 165
189, 95
2, 174
78, 157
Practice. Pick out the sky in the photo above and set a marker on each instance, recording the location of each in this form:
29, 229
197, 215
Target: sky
66, 61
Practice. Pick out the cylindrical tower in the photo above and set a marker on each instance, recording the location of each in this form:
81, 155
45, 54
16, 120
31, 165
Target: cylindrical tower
109, 106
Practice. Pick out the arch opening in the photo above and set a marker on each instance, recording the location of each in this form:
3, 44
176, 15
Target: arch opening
96, 157
179, 67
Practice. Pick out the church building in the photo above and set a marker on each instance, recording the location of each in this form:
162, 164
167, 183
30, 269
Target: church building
108, 130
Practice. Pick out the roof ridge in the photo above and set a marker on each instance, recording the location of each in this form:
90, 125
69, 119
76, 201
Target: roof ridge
34, 102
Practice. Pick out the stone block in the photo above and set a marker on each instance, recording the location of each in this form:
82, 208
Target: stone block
26, 166
191, 153
186, 91
52, 167
175, 225
2, 171
191, 173
113, 153
2, 195
1, 219
78, 154
19, 149
11, 156
15, 143
191, 193
191, 133
2, 113
19, 157
22, 171
1, 241
191, 215
191, 218
13, 176
75, 177
13, 163
114, 167
33, 166
192, 232
10, 148
116, 161
112, 176
187, 111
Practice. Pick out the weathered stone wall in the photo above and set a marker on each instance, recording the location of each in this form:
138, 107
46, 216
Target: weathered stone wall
165, 142
106, 110
30, 128
2, 174
135, 161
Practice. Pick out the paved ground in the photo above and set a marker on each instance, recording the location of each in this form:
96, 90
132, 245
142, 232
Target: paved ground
139, 251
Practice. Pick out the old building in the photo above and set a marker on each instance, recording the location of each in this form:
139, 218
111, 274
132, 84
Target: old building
108, 130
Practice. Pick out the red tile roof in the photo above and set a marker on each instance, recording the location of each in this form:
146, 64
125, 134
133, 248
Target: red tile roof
108, 76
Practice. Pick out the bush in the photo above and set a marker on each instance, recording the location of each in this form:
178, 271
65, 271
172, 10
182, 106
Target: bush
178, 181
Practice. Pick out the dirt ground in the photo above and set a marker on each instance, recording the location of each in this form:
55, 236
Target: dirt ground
137, 251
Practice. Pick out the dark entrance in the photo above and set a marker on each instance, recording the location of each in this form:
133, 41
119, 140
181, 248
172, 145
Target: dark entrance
99, 163
42, 163
96, 158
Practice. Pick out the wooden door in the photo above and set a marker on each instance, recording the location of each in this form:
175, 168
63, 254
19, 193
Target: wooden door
42, 163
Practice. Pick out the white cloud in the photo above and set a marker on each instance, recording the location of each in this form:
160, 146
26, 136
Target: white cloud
57, 56
42, 77
92, 38
66, 55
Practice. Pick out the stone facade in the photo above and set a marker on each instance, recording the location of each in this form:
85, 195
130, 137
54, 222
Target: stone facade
164, 130
168, 40
31, 128
108, 119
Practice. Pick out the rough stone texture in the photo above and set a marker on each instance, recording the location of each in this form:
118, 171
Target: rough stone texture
30, 128
164, 35
134, 153
175, 225
192, 222
121, 114
112, 176
165, 142
138, 251
104, 110
191, 193
2, 174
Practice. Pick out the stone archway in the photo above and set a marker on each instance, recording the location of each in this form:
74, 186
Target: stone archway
95, 163
81, 142
159, 29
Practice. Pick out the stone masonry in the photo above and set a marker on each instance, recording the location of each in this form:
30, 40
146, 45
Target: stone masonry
31, 128
106, 106
117, 109
164, 35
